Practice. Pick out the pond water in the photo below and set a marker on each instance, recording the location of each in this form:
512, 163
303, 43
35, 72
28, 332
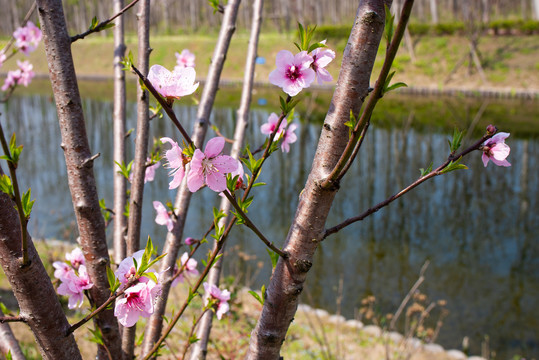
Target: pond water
478, 228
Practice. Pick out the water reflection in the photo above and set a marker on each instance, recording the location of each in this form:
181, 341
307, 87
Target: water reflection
477, 227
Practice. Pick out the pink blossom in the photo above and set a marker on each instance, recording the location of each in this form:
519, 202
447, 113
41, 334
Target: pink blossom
176, 162
74, 286
149, 174
496, 149
163, 217
189, 270
62, 269
76, 258
137, 301
185, 59
289, 137
221, 298
190, 241
293, 73
321, 58
23, 75
2, 58
126, 270
27, 38
269, 127
12, 79
210, 167
26, 72
173, 85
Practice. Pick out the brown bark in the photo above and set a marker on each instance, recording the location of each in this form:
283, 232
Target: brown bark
32, 287
141, 151
79, 165
173, 241
204, 328
308, 226
120, 223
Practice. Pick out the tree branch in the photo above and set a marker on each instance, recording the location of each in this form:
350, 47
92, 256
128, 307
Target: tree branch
103, 24
252, 226
420, 180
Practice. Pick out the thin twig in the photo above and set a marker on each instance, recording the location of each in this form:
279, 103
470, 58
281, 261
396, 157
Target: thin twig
188, 342
252, 226
6, 319
102, 24
416, 285
420, 180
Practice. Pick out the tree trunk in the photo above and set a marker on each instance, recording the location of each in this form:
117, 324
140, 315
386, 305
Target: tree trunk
79, 165
32, 287
120, 182
200, 348
535, 8
434, 12
141, 152
308, 225
173, 242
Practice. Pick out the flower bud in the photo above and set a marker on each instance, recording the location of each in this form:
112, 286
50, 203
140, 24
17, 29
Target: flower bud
491, 129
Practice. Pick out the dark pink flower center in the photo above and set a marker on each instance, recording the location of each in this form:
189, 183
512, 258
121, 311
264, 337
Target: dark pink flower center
293, 73
134, 301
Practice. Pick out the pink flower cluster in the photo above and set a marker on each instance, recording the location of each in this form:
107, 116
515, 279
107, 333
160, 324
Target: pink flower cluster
73, 278
207, 168
139, 299
220, 299
27, 38
285, 131
22, 76
296, 72
185, 59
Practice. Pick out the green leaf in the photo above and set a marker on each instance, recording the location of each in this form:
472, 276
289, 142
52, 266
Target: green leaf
14, 150
139, 339
257, 297
4, 309
9, 356
108, 26
454, 165
193, 339
27, 204
151, 276
395, 86
455, 143
389, 29
5, 185
426, 171
96, 337
113, 281
94, 23
351, 124
259, 184
274, 257
127, 61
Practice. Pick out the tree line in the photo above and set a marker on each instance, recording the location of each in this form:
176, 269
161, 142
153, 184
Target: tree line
188, 16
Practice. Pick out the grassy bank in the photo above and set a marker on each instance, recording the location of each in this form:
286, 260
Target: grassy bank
509, 62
